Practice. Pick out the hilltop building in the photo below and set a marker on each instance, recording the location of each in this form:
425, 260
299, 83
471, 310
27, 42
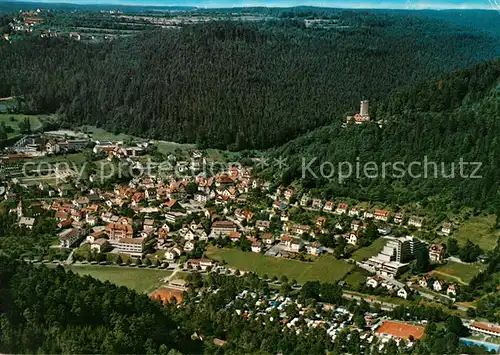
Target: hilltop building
363, 115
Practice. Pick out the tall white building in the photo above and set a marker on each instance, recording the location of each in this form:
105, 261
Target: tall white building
396, 255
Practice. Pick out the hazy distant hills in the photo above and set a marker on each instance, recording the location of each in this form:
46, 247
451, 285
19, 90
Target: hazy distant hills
239, 85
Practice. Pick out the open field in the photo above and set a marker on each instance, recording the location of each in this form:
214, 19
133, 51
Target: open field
479, 230
457, 272
77, 158
101, 134
165, 147
356, 276
371, 250
325, 268
141, 280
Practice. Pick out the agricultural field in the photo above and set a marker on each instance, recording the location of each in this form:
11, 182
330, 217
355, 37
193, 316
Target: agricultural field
142, 280
324, 269
479, 230
371, 250
457, 272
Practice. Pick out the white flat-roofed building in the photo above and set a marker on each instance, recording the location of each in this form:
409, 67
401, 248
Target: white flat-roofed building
132, 246
69, 237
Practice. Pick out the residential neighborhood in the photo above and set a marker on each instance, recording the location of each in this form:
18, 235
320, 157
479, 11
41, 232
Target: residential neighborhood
187, 223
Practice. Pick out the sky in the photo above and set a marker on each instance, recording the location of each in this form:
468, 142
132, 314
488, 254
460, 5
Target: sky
384, 4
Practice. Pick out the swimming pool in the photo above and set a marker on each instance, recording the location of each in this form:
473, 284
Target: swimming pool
489, 346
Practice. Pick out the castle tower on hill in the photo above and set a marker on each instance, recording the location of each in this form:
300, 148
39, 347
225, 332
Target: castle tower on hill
363, 111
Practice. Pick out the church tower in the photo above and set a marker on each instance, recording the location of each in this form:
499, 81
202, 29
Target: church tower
20, 209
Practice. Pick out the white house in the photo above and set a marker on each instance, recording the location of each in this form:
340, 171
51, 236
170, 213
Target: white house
99, 245
353, 238
446, 229
314, 249
416, 221
341, 208
355, 211
403, 293
172, 253
317, 204
257, 247
189, 246
451, 290
328, 206
27, 222
267, 238
372, 282
438, 285
423, 282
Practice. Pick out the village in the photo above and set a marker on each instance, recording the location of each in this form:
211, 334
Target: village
180, 220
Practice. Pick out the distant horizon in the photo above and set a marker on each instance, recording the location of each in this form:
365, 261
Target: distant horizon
214, 4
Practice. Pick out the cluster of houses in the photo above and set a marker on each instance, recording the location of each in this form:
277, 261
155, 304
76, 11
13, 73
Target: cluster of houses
93, 215
377, 281
27, 21
429, 282
159, 198
119, 150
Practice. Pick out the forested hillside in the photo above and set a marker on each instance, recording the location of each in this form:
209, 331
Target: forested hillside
445, 120
236, 85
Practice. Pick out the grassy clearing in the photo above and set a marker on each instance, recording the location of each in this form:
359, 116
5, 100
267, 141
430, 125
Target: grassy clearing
325, 268
141, 280
77, 158
479, 230
13, 121
356, 276
457, 272
103, 135
171, 147
371, 250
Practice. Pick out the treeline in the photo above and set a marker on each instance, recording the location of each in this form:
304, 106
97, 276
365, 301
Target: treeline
436, 125
235, 85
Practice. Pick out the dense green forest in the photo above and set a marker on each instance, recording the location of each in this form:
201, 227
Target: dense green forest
236, 85
51, 311
444, 120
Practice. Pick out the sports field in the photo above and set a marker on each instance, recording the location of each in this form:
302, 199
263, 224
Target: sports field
325, 268
401, 330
